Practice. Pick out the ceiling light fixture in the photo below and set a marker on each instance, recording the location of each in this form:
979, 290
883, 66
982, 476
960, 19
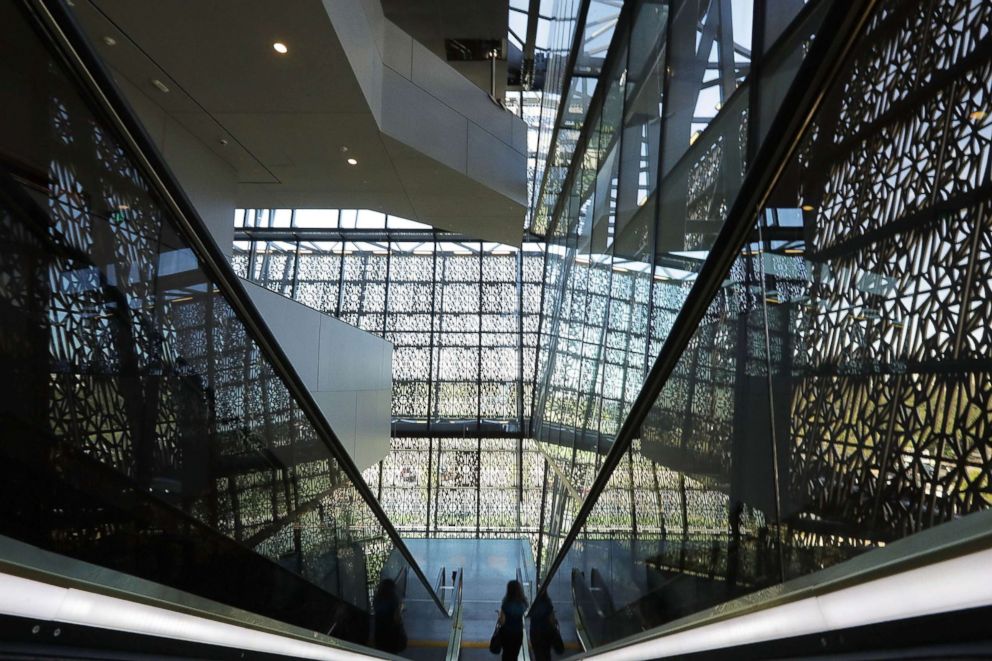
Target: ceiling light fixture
808, 207
160, 86
280, 47
352, 161
110, 41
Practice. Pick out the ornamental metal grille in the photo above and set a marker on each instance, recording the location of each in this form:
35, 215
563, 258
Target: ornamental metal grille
464, 487
896, 326
462, 315
836, 396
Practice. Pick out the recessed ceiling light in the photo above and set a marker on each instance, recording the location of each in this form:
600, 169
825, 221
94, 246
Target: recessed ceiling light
280, 47
352, 161
160, 86
110, 41
808, 207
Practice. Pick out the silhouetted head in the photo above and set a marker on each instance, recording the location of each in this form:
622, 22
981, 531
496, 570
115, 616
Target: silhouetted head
515, 592
386, 589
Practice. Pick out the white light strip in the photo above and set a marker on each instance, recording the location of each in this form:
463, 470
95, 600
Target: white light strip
22, 597
956, 584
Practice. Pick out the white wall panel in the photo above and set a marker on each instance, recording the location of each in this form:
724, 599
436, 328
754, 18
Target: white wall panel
348, 371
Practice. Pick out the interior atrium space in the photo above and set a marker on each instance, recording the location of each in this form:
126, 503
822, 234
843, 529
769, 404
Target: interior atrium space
530, 329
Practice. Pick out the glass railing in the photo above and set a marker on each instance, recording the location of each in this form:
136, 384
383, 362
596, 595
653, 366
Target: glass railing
150, 424
831, 394
632, 236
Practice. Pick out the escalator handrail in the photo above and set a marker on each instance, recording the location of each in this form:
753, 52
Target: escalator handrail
67, 38
824, 61
580, 624
455, 638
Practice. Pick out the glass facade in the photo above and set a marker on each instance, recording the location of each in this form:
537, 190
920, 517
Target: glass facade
461, 487
462, 315
640, 205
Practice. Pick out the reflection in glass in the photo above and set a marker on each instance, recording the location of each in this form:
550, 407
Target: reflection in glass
145, 430
835, 397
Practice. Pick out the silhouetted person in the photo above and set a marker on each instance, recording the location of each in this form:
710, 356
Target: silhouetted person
543, 627
388, 629
511, 619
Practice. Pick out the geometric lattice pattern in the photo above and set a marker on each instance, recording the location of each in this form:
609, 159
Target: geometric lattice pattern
462, 315
145, 429
461, 487
890, 418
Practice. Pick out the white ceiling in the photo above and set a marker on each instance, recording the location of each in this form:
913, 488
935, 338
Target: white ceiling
286, 120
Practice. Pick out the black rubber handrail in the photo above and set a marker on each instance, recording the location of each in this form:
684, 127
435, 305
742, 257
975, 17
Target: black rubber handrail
843, 25
63, 32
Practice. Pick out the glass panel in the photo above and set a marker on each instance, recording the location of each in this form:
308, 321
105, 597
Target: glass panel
601, 21
684, 521
641, 139
882, 294
835, 396
316, 218
148, 431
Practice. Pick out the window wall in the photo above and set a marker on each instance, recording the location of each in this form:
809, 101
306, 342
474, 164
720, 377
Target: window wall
462, 315
461, 487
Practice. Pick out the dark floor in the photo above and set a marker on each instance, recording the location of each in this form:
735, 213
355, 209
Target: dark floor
488, 565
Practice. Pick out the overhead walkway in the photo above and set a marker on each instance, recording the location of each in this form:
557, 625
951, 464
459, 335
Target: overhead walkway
800, 474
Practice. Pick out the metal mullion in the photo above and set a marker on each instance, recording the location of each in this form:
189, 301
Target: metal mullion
537, 341
478, 407
567, 266
566, 81
478, 357
596, 395
337, 308
520, 374
727, 62
758, 54
385, 302
618, 138
430, 478
296, 272
627, 338
430, 344
633, 497
773, 430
